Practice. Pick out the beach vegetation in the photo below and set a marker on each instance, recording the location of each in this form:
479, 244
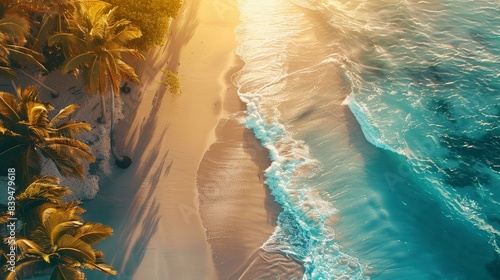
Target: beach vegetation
98, 41
53, 239
27, 133
54, 20
151, 16
13, 32
171, 80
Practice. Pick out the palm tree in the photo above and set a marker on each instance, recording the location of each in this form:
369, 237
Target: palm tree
41, 191
53, 20
26, 133
13, 31
99, 41
60, 245
54, 239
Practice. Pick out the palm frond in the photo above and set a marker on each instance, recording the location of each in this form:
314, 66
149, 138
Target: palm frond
93, 233
67, 272
63, 114
46, 218
4, 218
31, 166
15, 27
5, 153
102, 267
73, 146
112, 71
43, 190
43, 35
127, 71
73, 249
60, 37
29, 94
61, 229
124, 36
7, 132
24, 50
71, 129
38, 115
24, 56
53, 216
66, 166
29, 268
8, 72
78, 61
65, 153
8, 106
94, 76
10, 149
39, 131
30, 247
70, 43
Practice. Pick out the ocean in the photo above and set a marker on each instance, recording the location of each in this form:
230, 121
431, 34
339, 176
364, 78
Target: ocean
382, 121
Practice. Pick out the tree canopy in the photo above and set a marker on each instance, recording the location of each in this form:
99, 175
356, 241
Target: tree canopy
151, 16
53, 240
27, 132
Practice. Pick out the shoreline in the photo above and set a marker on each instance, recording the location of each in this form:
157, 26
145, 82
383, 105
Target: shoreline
164, 226
237, 210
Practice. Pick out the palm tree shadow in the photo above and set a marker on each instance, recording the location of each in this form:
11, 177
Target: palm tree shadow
128, 203
183, 30
124, 204
149, 226
134, 216
147, 128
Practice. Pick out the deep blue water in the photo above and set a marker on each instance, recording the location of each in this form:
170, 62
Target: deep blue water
383, 123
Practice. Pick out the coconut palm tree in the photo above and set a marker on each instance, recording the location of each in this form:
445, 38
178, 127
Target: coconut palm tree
13, 31
53, 20
60, 245
54, 239
99, 41
26, 133
42, 191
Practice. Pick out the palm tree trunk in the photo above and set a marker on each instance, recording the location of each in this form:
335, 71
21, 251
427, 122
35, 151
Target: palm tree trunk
13, 85
102, 118
53, 92
122, 162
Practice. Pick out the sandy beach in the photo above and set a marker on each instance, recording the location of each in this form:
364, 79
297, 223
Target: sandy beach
153, 206
284, 139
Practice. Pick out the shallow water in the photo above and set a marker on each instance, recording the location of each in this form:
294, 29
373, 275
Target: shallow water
382, 122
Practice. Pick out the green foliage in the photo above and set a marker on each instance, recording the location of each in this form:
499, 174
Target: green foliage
26, 132
171, 80
151, 16
96, 42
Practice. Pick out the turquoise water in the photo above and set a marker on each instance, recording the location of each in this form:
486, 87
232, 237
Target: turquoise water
382, 122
